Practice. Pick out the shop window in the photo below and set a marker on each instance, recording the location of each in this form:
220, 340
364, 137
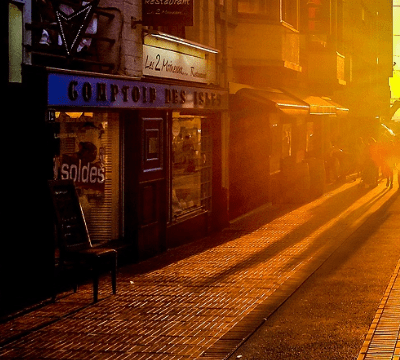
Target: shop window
191, 165
89, 154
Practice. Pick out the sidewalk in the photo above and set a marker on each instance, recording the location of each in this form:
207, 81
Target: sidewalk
203, 299
383, 338
382, 341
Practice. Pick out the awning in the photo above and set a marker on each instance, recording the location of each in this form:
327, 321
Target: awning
274, 99
318, 105
339, 109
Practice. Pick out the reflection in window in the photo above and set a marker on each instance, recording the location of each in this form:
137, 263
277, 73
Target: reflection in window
191, 164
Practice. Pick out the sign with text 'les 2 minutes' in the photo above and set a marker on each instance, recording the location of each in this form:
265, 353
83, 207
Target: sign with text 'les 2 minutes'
167, 12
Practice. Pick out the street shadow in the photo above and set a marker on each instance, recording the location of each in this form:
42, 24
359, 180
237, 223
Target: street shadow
319, 216
372, 222
322, 214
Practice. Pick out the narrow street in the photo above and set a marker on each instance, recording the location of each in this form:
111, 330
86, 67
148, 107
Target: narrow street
321, 260
329, 316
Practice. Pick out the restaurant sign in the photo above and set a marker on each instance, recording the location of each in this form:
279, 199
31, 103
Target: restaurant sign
174, 65
85, 91
167, 12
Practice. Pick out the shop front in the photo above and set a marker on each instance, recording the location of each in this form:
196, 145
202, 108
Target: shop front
327, 140
144, 156
267, 148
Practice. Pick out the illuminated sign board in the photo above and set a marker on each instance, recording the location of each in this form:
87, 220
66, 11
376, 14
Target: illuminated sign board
174, 65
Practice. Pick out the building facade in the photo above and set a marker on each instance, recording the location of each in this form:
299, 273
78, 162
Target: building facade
132, 113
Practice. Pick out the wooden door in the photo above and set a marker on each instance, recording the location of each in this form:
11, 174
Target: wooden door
145, 182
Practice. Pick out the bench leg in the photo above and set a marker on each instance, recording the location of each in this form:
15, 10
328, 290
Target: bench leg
75, 274
114, 277
95, 283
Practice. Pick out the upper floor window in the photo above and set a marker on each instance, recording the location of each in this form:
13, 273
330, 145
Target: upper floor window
75, 34
290, 12
286, 11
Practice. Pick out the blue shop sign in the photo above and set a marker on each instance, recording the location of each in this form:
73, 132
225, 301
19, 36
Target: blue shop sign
85, 91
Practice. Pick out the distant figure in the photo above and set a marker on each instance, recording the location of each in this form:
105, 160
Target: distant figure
370, 171
332, 163
388, 164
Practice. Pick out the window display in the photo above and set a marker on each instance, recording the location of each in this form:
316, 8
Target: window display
191, 164
89, 155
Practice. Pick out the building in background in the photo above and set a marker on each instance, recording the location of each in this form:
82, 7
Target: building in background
307, 78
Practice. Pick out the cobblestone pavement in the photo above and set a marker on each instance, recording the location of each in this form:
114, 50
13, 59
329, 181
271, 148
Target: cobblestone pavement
200, 300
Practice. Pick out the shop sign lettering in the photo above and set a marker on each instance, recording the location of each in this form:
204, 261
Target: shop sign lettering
101, 93
87, 175
67, 90
174, 65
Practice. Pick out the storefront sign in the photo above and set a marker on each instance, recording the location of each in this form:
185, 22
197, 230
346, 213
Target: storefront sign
85, 175
167, 12
85, 167
85, 91
174, 65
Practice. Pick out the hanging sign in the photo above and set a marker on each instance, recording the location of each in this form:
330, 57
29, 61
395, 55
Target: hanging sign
167, 12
